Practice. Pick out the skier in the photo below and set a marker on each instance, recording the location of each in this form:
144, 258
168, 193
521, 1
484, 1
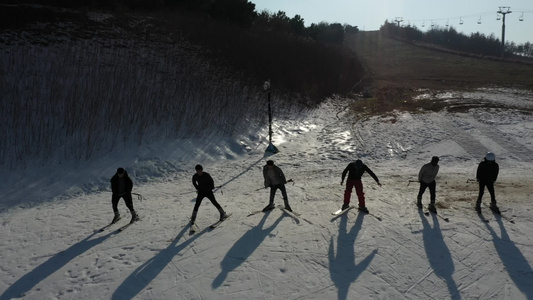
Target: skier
121, 186
275, 179
355, 170
204, 185
487, 173
426, 177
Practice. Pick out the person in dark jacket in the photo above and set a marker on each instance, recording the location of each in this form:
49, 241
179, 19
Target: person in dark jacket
426, 177
204, 185
486, 175
275, 179
355, 170
121, 186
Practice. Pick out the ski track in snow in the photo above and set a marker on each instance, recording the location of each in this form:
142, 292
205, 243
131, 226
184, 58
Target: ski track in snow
51, 250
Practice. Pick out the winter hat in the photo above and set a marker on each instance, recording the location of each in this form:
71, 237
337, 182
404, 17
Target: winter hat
198, 167
490, 156
121, 170
270, 162
434, 159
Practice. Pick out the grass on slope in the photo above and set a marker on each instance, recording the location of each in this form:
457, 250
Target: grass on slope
397, 71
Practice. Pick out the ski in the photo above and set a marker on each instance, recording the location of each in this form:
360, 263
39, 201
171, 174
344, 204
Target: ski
375, 216
124, 227
215, 225
108, 225
427, 213
505, 217
288, 211
259, 211
341, 211
254, 213
127, 225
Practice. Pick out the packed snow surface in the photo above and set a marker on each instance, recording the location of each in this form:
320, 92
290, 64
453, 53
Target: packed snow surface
50, 214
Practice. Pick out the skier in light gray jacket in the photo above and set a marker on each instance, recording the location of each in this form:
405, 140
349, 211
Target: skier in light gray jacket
426, 177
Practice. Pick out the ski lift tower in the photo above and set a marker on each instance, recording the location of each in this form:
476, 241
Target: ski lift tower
271, 148
503, 11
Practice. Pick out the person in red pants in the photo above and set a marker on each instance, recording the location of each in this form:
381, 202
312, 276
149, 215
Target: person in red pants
355, 170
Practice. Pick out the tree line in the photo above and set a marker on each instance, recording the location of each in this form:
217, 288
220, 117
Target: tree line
449, 37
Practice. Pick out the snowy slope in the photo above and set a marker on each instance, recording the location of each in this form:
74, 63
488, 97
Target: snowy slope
50, 250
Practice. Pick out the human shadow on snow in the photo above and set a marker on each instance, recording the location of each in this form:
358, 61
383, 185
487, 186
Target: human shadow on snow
512, 258
243, 248
145, 273
52, 265
438, 253
342, 267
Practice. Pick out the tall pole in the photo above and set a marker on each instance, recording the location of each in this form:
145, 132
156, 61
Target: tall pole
398, 20
504, 10
271, 148
266, 86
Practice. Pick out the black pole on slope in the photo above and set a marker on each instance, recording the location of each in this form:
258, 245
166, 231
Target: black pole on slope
271, 148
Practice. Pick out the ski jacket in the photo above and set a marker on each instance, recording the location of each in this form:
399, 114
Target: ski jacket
119, 189
278, 173
487, 171
203, 183
356, 171
428, 172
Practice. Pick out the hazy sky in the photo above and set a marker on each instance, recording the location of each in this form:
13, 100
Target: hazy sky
371, 14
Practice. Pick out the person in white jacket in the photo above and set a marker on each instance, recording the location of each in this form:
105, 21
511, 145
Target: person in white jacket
426, 177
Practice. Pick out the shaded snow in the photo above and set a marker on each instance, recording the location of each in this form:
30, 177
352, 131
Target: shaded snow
49, 249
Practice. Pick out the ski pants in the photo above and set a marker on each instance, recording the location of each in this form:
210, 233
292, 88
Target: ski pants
209, 195
127, 199
432, 190
490, 187
358, 184
281, 187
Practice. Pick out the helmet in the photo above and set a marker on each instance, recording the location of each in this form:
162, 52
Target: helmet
490, 156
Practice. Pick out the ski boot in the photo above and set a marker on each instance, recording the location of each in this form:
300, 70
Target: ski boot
116, 217
478, 208
345, 206
419, 203
495, 208
223, 214
134, 217
270, 206
432, 208
193, 217
287, 207
363, 209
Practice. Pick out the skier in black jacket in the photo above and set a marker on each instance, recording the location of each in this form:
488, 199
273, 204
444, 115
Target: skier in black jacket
204, 185
486, 175
121, 186
355, 170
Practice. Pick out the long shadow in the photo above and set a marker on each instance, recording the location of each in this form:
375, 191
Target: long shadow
342, 267
512, 258
145, 273
56, 262
243, 248
439, 256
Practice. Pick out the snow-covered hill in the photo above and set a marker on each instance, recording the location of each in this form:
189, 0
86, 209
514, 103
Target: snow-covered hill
50, 250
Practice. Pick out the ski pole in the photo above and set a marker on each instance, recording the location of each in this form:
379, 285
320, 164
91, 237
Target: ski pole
410, 182
139, 196
470, 180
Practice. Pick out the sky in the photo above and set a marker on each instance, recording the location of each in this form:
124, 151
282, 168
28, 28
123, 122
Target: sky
371, 14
